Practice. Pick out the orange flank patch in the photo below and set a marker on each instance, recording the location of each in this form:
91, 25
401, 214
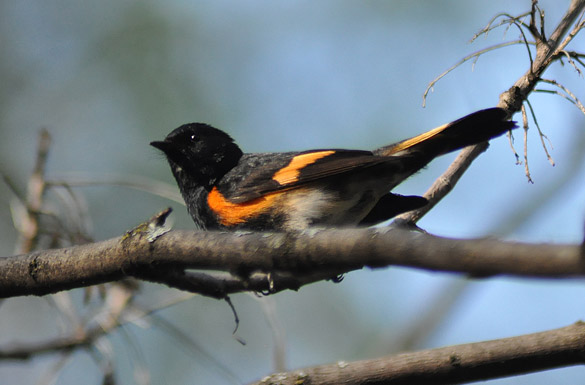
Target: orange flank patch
290, 173
231, 214
416, 140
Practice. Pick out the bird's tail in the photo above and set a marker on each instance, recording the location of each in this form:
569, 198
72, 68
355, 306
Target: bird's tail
474, 128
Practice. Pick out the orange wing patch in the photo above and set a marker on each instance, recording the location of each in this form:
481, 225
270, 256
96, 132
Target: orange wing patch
290, 173
231, 214
416, 140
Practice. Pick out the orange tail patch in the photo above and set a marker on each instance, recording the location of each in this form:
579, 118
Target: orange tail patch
406, 144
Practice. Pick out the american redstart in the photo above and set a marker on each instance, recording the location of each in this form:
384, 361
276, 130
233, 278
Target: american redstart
227, 189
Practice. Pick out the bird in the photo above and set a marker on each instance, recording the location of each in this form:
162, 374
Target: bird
226, 189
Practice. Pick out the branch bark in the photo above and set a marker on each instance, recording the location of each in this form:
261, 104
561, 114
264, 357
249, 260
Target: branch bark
452, 364
316, 253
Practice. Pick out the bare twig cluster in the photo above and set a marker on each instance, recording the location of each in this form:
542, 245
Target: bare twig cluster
548, 50
50, 214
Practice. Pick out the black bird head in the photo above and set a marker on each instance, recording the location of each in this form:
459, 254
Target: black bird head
199, 154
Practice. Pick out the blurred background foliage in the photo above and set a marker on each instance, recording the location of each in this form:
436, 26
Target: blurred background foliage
107, 77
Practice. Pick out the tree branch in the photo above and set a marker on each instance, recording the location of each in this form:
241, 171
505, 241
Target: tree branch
452, 364
317, 253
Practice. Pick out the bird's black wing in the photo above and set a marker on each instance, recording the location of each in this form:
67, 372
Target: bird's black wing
260, 174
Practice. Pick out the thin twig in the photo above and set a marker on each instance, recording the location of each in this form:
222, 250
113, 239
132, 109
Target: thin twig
541, 134
191, 346
28, 233
148, 185
572, 62
525, 126
507, 19
511, 142
80, 339
474, 55
569, 95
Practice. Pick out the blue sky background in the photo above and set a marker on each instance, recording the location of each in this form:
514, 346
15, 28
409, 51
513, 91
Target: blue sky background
107, 78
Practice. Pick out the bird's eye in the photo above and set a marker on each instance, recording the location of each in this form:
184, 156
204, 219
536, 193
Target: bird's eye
193, 138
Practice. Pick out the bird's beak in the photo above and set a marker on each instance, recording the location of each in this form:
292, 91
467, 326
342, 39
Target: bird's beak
164, 146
